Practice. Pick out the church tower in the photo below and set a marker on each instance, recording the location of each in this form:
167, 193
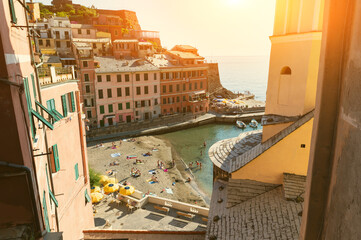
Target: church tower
294, 60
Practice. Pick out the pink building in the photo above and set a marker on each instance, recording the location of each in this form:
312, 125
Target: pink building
43, 169
126, 91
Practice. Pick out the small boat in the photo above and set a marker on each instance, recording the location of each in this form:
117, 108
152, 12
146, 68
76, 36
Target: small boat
241, 124
253, 124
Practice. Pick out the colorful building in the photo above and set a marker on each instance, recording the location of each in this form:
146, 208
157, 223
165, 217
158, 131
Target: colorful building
274, 159
126, 91
123, 48
44, 177
183, 82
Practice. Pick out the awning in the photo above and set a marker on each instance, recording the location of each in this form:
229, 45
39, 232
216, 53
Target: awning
198, 93
109, 116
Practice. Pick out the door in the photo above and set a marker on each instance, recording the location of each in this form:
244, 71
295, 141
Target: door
146, 116
129, 119
110, 121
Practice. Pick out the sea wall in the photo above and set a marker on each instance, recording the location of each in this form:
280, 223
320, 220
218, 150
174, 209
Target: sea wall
102, 134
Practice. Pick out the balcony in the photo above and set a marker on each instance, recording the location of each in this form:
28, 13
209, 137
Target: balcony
53, 75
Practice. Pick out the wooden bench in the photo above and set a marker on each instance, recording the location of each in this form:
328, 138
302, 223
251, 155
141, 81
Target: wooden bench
164, 209
187, 215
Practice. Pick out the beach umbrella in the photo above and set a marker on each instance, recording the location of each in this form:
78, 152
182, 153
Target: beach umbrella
95, 189
96, 197
110, 188
103, 179
112, 180
126, 190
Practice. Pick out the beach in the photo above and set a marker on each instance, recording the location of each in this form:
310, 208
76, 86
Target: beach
100, 159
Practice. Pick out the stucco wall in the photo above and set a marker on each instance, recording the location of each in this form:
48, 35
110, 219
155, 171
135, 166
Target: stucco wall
285, 156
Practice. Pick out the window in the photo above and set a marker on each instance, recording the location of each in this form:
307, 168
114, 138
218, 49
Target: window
48, 43
190, 86
40, 42
138, 90
87, 197
119, 78
137, 77
57, 44
195, 86
119, 92
145, 76
116, 32
164, 101
87, 89
178, 87
85, 63
76, 169
146, 90
164, 88
99, 77
110, 108
120, 106
47, 226
68, 44
170, 88
155, 89
178, 100
79, 31
55, 158
101, 109
286, 71
86, 77
88, 31
167, 76
127, 105
100, 93
184, 86
201, 85
12, 11
184, 98
127, 77
72, 101
89, 114
109, 92
155, 76
108, 78
127, 91
101, 122
156, 101
136, 113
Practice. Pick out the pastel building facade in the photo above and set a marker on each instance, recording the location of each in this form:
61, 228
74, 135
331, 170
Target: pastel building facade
126, 91
123, 48
47, 165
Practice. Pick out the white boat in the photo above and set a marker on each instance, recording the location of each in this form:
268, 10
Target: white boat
241, 124
253, 124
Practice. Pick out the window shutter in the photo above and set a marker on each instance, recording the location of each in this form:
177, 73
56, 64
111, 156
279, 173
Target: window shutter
33, 81
56, 158
12, 12
28, 103
65, 108
43, 120
87, 197
76, 171
72, 102
50, 192
46, 219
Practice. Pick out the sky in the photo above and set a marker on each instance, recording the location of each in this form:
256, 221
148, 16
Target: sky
215, 27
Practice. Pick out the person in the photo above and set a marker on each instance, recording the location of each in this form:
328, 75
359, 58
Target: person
125, 183
120, 142
204, 144
200, 166
158, 164
201, 153
188, 179
197, 163
173, 163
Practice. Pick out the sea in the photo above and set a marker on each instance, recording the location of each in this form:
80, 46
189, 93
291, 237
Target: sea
238, 74
243, 73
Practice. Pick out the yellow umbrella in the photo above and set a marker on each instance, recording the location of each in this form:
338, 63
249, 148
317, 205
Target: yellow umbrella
95, 189
96, 197
110, 188
112, 180
126, 190
103, 179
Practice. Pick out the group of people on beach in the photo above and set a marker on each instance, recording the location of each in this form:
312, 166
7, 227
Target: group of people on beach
135, 172
199, 165
160, 165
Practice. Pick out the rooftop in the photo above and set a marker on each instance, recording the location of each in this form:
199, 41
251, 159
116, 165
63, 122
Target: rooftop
266, 216
185, 47
82, 45
84, 26
185, 55
51, 59
112, 65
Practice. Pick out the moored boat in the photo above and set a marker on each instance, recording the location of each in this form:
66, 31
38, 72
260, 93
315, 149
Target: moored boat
241, 124
253, 124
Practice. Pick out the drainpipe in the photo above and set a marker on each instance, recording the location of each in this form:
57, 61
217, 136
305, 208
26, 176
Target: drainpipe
29, 181
40, 100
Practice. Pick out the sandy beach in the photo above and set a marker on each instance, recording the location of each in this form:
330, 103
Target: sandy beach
101, 161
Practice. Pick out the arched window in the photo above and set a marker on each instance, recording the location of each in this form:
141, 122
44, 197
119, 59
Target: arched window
286, 71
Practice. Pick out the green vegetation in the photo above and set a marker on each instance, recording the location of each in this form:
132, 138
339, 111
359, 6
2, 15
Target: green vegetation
94, 177
79, 12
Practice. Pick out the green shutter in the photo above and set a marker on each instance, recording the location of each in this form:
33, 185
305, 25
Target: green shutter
58, 114
72, 102
76, 171
110, 108
33, 81
120, 106
128, 105
87, 197
51, 113
56, 157
65, 107
12, 12
46, 219
50, 192
28, 104
43, 120
101, 108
